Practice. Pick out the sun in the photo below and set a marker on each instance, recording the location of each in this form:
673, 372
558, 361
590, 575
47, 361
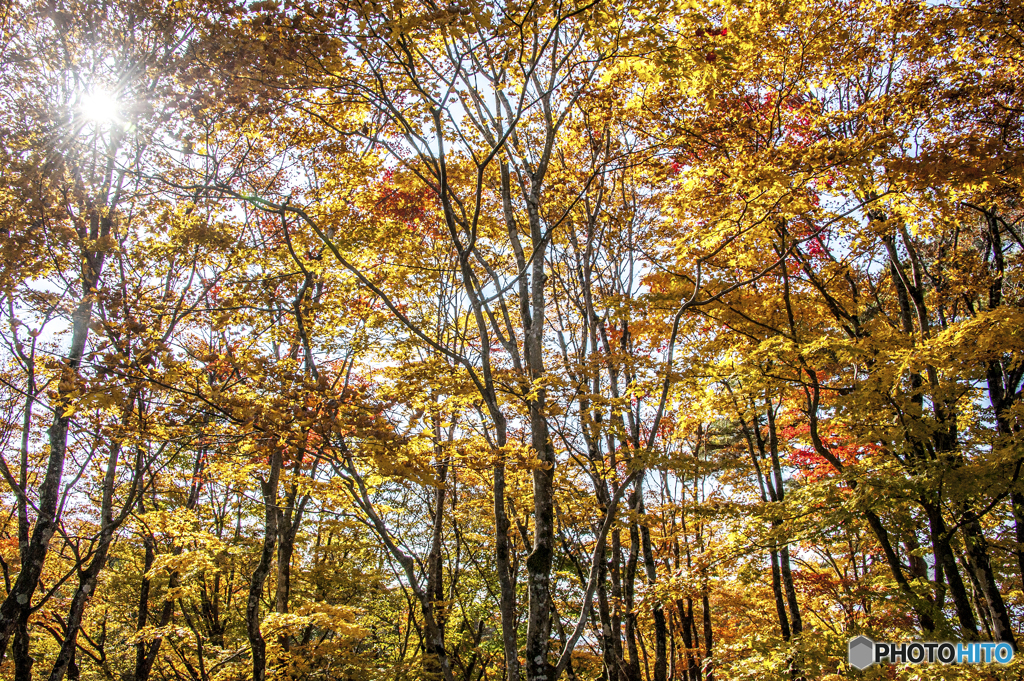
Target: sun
99, 106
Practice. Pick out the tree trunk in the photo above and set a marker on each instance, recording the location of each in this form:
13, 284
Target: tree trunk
18, 601
503, 559
289, 520
615, 572
796, 622
685, 608
23, 660
1017, 501
658, 609
259, 575
283, 587
435, 566
977, 549
983, 611
608, 634
145, 653
780, 599
947, 562
629, 584
538, 563
923, 616
109, 524
708, 639
87, 585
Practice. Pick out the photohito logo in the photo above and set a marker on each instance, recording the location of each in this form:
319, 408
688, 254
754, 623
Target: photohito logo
863, 652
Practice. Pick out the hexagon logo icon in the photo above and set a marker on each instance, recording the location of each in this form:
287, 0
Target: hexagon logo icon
861, 652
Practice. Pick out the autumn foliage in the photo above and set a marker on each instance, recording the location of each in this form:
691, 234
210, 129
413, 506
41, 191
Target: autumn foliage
629, 340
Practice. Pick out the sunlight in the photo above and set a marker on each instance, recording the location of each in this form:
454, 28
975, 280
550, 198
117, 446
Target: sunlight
99, 106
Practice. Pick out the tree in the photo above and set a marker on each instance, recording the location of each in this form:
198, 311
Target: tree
598, 340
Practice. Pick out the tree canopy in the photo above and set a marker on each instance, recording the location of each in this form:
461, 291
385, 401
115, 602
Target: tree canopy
632, 340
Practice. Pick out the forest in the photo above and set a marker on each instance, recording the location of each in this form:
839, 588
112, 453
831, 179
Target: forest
524, 340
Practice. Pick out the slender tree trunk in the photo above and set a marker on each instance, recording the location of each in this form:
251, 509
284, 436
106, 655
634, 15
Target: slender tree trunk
947, 563
435, 569
658, 609
210, 608
283, 586
289, 520
259, 576
923, 616
692, 643
979, 603
671, 650
796, 623
285, 550
503, 558
765, 487
23, 660
145, 653
615, 572
608, 634
19, 599
109, 524
20, 651
708, 639
977, 549
65, 662
538, 563
1001, 400
1017, 501
141, 672
629, 585
922, 610
780, 599
435, 566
